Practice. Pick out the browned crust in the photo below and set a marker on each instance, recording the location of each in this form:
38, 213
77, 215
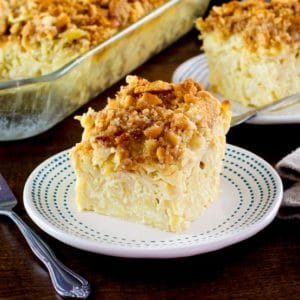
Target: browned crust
153, 121
260, 23
32, 20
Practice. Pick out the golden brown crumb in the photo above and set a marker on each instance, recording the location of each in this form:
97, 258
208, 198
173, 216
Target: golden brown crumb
259, 22
90, 20
153, 121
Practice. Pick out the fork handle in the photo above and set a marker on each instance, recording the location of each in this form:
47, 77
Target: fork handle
239, 119
66, 282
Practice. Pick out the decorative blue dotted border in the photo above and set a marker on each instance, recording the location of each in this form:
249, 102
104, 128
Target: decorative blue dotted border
239, 168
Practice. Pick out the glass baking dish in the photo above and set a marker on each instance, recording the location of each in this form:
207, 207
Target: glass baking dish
32, 105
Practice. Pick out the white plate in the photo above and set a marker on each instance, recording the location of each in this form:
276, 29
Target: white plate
197, 69
250, 196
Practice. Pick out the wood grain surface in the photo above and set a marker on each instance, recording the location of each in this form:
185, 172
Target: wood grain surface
266, 266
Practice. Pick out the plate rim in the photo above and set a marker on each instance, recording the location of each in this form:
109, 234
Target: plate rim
261, 118
137, 252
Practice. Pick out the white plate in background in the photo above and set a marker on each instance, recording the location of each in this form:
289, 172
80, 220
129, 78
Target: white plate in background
197, 68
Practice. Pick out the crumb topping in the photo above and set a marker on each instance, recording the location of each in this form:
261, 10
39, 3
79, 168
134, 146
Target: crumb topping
152, 121
78, 21
261, 23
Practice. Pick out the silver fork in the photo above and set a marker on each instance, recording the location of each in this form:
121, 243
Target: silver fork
66, 282
236, 120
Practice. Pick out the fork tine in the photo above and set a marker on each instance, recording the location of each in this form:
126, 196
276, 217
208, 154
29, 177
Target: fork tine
7, 198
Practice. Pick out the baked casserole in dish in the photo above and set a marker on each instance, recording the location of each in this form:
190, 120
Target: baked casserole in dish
55, 55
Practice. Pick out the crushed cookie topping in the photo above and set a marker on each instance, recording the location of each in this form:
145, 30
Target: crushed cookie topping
78, 21
152, 121
261, 23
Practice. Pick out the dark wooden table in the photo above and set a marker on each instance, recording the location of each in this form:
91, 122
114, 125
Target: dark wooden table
266, 266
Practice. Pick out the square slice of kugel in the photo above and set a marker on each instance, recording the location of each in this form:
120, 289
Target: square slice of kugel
153, 155
252, 48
